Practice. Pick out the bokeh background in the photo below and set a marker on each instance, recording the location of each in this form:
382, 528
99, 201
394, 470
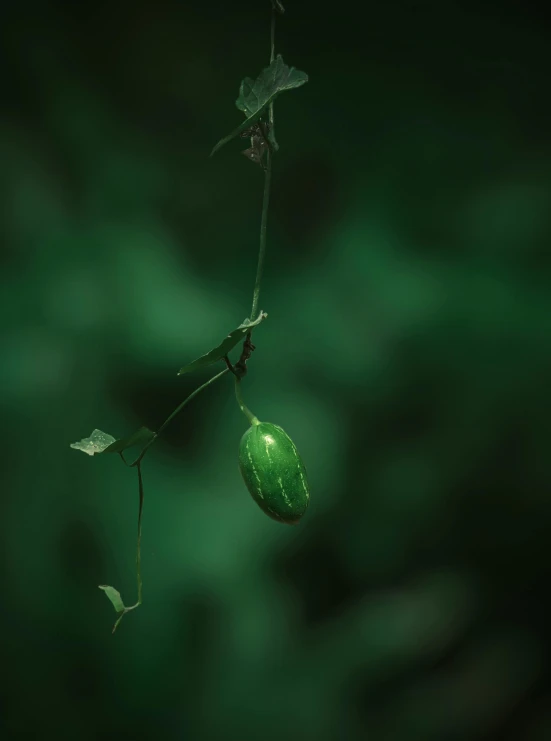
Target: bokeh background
407, 352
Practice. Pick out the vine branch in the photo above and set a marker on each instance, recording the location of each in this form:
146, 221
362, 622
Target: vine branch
175, 412
267, 185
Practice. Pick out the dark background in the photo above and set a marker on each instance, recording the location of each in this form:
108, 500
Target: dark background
407, 352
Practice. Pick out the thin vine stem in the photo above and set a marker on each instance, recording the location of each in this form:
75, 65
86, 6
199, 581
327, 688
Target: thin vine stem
272, 35
139, 541
138, 465
175, 412
267, 187
263, 228
138, 552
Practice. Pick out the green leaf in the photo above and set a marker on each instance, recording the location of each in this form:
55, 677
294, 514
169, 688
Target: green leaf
276, 5
224, 348
96, 443
140, 437
256, 95
114, 597
101, 442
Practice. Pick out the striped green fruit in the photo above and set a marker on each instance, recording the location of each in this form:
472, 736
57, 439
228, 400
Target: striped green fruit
274, 472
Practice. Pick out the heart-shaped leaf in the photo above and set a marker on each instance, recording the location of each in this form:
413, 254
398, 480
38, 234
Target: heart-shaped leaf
224, 347
101, 442
256, 95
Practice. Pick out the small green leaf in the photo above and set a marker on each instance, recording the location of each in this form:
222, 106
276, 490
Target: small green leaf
276, 5
140, 437
114, 597
101, 442
96, 443
256, 95
224, 348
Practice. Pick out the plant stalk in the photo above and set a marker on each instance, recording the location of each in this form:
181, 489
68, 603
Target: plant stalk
177, 411
139, 543
272, 35
138, 553
263, 228
137, 463
267, 185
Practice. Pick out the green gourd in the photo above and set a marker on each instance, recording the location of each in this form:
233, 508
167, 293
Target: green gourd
274, 472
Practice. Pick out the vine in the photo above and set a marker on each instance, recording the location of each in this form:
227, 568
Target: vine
268, 459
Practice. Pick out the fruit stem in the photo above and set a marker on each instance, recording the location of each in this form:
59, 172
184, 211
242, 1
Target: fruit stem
247, 412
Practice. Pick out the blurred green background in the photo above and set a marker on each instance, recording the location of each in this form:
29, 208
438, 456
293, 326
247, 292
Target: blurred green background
407, 352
